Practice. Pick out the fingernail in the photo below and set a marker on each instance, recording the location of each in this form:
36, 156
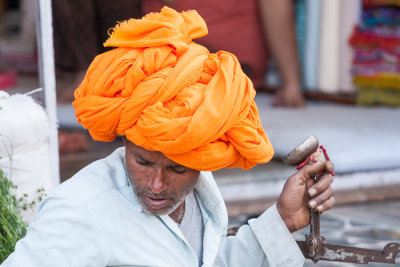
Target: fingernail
312, 192
320, 207
312, 203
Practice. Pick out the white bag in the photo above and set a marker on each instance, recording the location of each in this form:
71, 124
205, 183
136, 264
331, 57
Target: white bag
24, 148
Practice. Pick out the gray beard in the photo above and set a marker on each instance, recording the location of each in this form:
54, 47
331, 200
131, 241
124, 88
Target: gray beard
163, 212
168, 211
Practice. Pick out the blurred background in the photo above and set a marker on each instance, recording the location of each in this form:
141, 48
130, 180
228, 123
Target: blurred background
324, 67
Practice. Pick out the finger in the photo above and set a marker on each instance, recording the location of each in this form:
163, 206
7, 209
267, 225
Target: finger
308, 178
321, 185
309, 184
320, 199
329, 166
326, 205
313, 170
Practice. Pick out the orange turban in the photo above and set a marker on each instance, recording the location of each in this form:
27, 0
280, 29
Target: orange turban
166, 93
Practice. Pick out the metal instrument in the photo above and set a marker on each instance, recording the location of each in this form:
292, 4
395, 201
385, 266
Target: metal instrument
314, 247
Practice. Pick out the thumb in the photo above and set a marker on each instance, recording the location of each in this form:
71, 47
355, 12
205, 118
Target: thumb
313, 170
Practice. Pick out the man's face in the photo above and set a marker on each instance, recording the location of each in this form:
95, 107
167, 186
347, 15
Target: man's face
160, 184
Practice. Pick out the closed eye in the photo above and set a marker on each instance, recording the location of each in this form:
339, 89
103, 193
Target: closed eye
178, 169
142, 161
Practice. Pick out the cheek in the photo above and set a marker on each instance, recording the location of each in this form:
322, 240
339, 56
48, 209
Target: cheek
137, 174
137, 178
186, 185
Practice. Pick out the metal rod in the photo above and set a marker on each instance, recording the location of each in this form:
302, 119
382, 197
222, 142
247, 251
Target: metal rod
47, 80
316, 223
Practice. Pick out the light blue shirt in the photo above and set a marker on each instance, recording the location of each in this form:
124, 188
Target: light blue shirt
94, 219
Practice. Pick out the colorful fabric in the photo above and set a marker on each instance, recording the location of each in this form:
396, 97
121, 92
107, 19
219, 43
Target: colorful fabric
301, 27
387, 15
374, 68
166, 93
384, 37
311, 54
371, 3
362, 54
378, 96
381, 80
371, 61
376, 46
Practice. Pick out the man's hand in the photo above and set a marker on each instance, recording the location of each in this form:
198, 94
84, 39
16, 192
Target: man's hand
300, 194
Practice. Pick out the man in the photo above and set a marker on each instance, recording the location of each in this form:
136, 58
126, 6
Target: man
183, 112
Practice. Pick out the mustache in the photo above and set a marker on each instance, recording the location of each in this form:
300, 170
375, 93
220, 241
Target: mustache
149, 193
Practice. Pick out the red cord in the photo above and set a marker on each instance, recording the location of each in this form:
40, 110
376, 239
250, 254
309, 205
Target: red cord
301, 165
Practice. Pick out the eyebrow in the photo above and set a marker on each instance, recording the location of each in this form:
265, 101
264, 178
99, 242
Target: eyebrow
139, 156
176, 165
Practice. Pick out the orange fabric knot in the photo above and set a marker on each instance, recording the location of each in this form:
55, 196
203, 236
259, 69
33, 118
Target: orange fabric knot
166, 93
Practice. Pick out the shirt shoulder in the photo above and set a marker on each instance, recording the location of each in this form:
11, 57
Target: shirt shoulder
96, 180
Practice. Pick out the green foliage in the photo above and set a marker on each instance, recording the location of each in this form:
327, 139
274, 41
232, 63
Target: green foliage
12, 227
23, 203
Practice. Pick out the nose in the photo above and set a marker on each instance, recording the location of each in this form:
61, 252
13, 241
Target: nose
158, 181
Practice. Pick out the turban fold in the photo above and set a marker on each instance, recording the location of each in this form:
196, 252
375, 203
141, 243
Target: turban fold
166, 93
